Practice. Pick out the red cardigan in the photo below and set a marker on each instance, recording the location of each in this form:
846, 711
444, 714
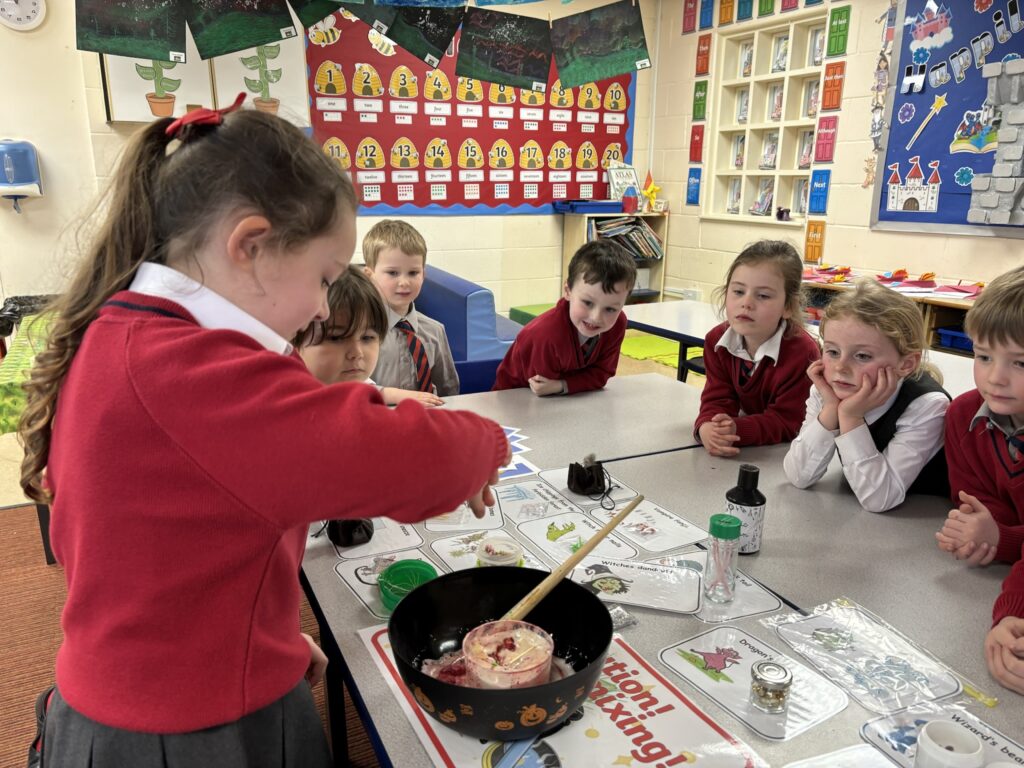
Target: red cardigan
550, 346
186, 465
773, 399
980, 464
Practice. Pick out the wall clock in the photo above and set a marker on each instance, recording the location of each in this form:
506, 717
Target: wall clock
22, 15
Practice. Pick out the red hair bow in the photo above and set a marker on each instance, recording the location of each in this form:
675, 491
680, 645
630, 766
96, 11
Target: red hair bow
203, 116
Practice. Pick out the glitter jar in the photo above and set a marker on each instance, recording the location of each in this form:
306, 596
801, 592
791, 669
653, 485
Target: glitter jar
769, 686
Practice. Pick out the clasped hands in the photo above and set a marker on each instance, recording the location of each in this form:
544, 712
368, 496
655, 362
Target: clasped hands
970, 533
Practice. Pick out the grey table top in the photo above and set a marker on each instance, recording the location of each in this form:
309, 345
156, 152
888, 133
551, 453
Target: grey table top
819, 545
633, 415
687, 321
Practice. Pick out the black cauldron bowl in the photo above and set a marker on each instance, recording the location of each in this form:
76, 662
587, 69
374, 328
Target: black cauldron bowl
433, 618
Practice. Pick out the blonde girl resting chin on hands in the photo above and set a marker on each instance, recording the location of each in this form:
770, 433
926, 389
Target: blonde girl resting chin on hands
873, 401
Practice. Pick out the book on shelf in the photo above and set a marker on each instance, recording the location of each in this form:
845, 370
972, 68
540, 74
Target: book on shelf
632, 233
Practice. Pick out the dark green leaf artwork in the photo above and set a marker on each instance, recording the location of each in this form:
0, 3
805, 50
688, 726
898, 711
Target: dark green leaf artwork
380, 17
312, 11
426, 32
227, 26
504, 48
600, 43
142, 29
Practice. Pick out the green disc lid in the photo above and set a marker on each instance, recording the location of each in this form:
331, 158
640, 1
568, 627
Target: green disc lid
401, 578
725, 527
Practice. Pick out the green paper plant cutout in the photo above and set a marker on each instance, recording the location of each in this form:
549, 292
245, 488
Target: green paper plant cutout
258, 63
161, 85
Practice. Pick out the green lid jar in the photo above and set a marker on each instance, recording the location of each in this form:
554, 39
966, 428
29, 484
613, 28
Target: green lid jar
725, 527
401, 578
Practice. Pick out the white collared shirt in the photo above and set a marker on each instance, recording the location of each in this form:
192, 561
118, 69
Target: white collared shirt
733, 344
879, 480
210, 309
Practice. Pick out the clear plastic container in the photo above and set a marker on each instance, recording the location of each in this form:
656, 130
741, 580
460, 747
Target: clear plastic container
723, 548
499, 550
508, 654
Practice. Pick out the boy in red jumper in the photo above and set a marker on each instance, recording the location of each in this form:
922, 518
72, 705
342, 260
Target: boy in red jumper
186, 449
985, 451
985, 433
756, 361
574, 346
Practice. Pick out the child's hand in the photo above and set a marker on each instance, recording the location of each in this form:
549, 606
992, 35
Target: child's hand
1004, 652
828, 417
317, 662
718, 435
393, 396
543, 386
970, 533
868, 397
481, 501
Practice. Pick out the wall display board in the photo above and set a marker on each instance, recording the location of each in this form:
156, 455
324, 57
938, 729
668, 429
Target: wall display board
419, 140
951, 87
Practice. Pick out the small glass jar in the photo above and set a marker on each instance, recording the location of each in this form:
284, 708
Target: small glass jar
499, 550
769, 686
723, 546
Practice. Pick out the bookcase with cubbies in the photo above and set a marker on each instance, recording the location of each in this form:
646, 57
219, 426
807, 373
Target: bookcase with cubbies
768, 87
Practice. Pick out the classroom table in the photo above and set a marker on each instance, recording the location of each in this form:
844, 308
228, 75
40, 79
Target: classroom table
687, 322
819, 545
632, 415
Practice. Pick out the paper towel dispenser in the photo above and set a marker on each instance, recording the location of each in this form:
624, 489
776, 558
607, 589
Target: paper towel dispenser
19, 171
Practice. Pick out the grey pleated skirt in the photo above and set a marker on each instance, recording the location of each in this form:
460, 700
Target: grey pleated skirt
285, 734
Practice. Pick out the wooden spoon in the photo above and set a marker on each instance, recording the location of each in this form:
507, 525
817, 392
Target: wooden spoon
519, 611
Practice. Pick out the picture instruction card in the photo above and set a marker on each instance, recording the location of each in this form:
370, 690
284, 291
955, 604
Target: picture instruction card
662, 587
388, 536
860, 756
530, 500
633, 716
718, 661
561, 535
751, 598
463, 519
360, 576
459, 552
652, 527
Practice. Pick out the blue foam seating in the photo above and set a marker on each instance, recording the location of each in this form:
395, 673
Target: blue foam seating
477, 334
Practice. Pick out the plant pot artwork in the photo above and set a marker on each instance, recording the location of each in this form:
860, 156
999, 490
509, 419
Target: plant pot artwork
267, 105
160, 106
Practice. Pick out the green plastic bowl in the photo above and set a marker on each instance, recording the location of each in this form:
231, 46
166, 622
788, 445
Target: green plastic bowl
401, 578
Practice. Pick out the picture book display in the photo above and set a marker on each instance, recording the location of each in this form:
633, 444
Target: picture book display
718, 661
421, 137
633, 716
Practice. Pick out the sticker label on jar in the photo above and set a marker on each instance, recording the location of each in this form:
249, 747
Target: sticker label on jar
751, 525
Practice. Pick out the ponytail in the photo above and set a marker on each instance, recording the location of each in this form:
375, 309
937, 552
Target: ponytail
127, 238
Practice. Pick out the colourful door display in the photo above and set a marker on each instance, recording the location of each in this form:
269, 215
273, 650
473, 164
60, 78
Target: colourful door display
765, 7
825, 139
725, 11
703, 55
790, 5
814, 247
818, 200
838, 31
689, 15
744, 9
696, 143
700, 99
832, 94
707, 14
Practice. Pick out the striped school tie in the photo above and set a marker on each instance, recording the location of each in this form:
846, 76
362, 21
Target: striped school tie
1016, 446
419, 355
746, 370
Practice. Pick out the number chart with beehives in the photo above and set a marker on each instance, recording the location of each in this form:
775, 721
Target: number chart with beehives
418, 139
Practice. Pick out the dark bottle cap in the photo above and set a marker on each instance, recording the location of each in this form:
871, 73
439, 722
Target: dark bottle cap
748, 477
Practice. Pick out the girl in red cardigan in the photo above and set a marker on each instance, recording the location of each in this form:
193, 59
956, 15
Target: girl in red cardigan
185, 450
756, 360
